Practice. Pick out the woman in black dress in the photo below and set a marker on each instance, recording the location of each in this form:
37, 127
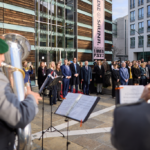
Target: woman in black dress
59, 73
115, 79
136, 74
99, 69
53, 89
80, 84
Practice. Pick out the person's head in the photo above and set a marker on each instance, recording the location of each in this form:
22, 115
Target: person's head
74, 60
60, 62
99, 63
143, 65
119, 62
123, 64
81, 64
25, 63
52, 65
104, 60
148, 62
115, 66
66, 61
130, 64
42, 64
136, 65
142, 60
113, 62
95, 60
86, 63
139, 62
58, 66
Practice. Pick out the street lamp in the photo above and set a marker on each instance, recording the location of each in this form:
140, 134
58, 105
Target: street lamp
143, 40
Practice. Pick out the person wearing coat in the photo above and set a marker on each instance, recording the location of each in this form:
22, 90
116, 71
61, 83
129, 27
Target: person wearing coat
52, 89
86, 76
136, 74
143, 80
124, 75
28, 69
14, 114
115, 80
75, 70
59, 73
99, 69
66, 77
80, 82
41, 74
129, 67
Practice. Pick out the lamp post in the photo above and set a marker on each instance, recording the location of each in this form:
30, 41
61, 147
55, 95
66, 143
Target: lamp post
140, 36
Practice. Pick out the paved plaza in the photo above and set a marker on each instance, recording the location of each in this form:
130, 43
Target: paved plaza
93, 135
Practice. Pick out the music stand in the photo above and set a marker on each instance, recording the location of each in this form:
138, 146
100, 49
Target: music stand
77, 107
49, 129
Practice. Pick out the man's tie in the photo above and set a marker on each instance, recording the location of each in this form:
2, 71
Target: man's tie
75, 68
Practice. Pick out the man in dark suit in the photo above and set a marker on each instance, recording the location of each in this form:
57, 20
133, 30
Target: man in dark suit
41, 74
131, 129
75, 70
86, 76
67, 75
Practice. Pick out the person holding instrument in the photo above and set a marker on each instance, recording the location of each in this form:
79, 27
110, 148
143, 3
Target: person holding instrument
131, 128
13, 113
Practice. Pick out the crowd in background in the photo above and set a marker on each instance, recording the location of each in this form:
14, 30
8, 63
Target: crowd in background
79, 75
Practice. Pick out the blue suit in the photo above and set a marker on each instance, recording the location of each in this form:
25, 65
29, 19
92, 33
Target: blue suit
124, 74
66, 72
86, 75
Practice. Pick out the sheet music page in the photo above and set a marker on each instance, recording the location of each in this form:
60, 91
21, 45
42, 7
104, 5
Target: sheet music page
67, 103
82, 107
130, 94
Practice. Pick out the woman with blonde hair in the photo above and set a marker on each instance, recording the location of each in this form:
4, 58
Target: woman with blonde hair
136, 74
53, 89
28, 69
143, 80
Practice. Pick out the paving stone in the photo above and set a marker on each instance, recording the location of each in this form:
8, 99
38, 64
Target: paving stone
93, 123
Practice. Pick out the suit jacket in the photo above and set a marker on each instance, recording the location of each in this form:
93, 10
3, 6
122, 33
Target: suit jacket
41, 76
74, 80
65, 71
98, 73
129, 71
123, 74
131, 129
27, 74
115, 75
86, 75
13, 113
136, 73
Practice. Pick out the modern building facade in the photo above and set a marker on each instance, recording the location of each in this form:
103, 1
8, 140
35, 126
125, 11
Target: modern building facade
139, 30
56, 29
120, 38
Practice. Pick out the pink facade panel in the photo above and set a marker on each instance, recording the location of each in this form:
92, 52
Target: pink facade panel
98, 29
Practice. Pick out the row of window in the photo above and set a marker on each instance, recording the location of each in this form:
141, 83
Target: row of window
140, 2
140, 41
140, 14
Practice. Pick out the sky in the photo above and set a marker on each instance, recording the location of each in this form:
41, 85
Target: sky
120, 8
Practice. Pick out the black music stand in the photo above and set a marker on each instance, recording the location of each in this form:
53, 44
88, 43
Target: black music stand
78, 108
49, 129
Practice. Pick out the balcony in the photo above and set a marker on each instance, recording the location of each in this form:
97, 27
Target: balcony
132, 19
148, 44
141, 30
148, 29
148, 14
140, 17
132, 46
140, 45
132, 6
132, 32
140, 3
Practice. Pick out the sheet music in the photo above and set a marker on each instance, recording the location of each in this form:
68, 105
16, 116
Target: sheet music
82, 107
130, 94
65, 105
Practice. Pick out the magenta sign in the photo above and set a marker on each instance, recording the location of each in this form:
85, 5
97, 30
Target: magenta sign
98, 29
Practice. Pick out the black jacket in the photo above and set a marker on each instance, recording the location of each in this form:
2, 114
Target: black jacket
41, 76
115, 75
136, 73
131, 71
99, 72
74, 80
59, 73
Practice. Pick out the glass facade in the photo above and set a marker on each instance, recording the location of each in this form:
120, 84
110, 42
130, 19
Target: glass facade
54, 30
141, 41
132, 42
141, 13
146, 56
141, 27
132, 16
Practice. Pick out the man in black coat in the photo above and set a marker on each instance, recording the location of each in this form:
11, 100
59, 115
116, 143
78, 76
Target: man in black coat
75, 70
131, 129
41, 74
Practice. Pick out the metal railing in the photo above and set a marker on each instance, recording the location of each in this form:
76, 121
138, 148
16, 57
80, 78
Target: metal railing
140, 17
141, 30
132, 32
140, 3
132, 19
132, 6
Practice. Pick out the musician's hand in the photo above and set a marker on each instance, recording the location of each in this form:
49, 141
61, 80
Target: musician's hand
90, 79
36, 95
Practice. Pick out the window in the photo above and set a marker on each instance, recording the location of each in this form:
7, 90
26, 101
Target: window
148, 11
132, 42
148, 40
141, 41
132, 29
141, 13
148, 25
132, 16
132, 4
141, 27
141, 2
